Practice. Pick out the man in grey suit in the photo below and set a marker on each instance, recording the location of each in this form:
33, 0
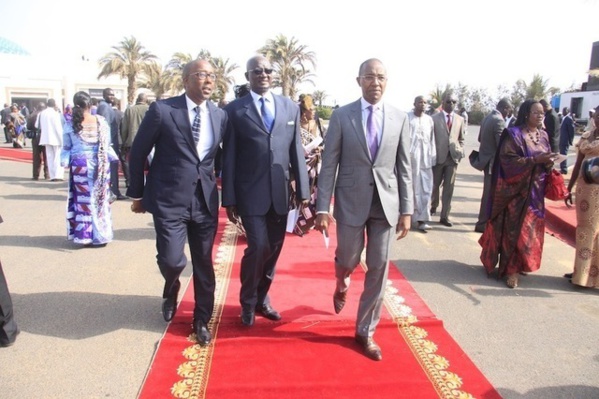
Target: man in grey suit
261, 148
129, 126
552, 124
367, 161
180, 188
449, 130
490, 132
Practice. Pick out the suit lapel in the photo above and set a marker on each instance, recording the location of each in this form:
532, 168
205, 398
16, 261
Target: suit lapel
252, 113
355, 117
181, 119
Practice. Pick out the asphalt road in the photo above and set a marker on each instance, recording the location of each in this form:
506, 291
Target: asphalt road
90, 318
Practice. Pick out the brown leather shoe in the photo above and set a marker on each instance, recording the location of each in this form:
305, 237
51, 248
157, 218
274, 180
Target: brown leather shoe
339, 300
371, 349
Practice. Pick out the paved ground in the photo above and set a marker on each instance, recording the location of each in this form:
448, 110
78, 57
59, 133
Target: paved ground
90, 318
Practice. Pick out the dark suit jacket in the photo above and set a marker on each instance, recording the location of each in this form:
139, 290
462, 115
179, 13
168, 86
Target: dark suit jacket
552, 128
176, 169
256, 163
566, 131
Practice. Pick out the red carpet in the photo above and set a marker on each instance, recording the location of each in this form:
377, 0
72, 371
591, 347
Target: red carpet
16, 154
561, 221
310, 353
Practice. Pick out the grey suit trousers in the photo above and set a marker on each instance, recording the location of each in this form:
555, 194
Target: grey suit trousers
350, 244
446, 174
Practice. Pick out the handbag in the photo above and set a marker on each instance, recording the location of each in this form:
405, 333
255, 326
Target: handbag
555, 187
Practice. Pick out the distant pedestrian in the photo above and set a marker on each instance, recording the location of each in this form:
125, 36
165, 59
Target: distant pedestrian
38, 151
449, 142
566, 138
552, 125
50, 125
129, 126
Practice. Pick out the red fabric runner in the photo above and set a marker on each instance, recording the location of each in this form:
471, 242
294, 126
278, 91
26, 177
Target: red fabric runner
310, 353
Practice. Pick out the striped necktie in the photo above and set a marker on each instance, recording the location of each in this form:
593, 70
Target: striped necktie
195, 128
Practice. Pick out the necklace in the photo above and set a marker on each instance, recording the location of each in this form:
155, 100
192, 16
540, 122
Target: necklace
535, 136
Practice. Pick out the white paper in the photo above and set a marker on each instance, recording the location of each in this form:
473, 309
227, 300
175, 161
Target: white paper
313, 144
325, 236
292, 220
559, 158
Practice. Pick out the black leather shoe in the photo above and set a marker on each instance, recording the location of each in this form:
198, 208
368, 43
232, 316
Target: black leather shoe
169, 306
433, 211
268, 312
371, 349
339, 300
122, 197
446, 222
247, 317
203, 336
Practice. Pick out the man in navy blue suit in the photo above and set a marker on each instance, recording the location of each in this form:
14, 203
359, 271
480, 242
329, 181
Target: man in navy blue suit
261, 148
180, 188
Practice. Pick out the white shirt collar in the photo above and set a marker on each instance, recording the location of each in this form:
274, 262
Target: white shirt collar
366, 104
191, 105
268, 96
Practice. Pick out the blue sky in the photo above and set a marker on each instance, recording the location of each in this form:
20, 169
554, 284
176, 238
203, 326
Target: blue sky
478, 43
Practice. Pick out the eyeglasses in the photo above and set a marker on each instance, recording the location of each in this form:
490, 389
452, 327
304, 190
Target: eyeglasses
260, 71
372, 78
203, 75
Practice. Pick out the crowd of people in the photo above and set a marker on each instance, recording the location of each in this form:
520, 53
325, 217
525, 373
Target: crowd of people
388, 172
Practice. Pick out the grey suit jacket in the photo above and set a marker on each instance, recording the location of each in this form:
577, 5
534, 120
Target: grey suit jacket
490, 132
257, 164
446, 142
348, 170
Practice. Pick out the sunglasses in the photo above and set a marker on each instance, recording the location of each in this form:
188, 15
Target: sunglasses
260, 71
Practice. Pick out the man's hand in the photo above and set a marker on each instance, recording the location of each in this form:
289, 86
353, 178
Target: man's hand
403, 226
232, 214
322, 222
137, 207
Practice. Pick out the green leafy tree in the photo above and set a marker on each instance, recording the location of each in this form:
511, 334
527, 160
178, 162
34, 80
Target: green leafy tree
518, 94
129, 61
537, 89
437, 95
289, 60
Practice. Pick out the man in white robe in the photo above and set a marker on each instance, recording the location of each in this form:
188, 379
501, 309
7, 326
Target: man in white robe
50, 124
424, 157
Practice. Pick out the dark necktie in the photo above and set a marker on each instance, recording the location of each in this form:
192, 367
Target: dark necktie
449, 123
267, 117
195, 128
373, 142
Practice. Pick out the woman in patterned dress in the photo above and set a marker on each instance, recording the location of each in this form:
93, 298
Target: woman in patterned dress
586, 262
88, 153
514, 234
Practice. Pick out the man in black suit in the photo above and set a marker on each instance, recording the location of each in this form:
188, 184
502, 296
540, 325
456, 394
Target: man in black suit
566, 137
8, 326
105, 109
261, 144
552, 126
180, 188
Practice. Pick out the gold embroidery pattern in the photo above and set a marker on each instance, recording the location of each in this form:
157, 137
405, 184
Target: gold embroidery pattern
196, 370
436, 367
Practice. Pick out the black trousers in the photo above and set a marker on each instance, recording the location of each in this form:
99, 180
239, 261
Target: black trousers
197, 226
265, 236
114, 173
39, 158
8, 326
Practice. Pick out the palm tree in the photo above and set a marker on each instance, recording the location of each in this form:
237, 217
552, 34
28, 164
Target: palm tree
289, 60
299, 76
174, 72
224, 80
319, 96
154, 80
437, 96
129, 60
